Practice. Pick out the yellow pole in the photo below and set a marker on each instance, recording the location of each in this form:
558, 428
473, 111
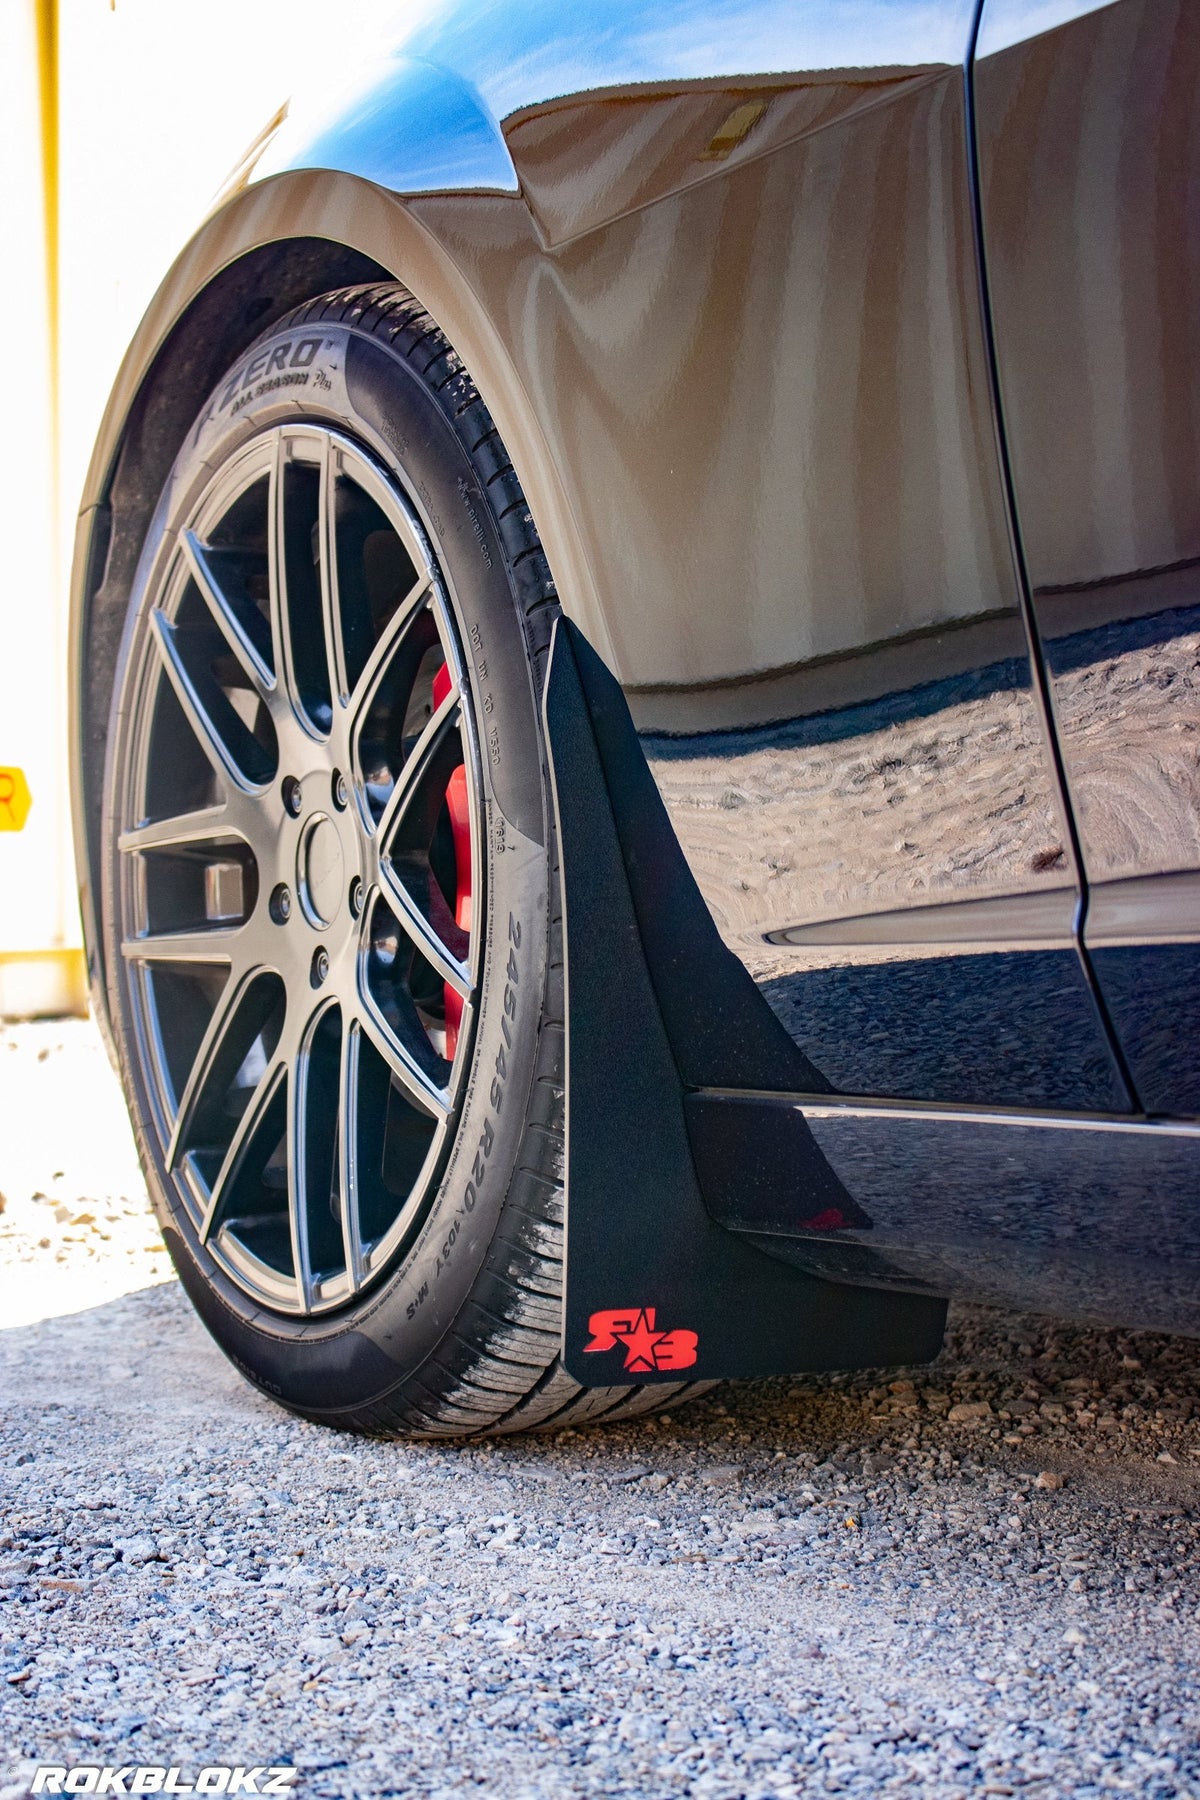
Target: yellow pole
46, 16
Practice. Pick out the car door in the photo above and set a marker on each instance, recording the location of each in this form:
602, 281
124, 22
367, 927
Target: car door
737, 280
1088, 134
759, 346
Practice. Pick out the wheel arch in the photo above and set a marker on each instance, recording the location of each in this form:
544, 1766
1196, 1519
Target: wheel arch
267, 249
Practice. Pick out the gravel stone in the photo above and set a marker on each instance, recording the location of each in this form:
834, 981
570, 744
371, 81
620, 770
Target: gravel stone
910, 1582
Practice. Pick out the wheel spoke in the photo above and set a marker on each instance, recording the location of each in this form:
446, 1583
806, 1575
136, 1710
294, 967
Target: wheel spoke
303, 594
349, 1082
214, 946
230, 626
216, 1063
204, 826
361, 700
243, 1137
298, 1129
416, 764
400, 874
277, 578
420, 1087
418, 928
276, 597
331, 611
205, 713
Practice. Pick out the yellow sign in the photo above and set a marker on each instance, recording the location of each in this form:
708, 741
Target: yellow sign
15, 799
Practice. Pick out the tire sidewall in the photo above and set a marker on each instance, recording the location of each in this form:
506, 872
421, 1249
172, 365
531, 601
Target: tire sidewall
359, 386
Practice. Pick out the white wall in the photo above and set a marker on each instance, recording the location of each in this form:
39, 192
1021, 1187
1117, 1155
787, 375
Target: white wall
33, 864
158, 101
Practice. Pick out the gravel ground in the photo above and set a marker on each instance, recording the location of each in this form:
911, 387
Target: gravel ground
979, 1578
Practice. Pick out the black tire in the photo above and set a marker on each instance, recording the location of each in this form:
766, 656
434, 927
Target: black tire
457, 1332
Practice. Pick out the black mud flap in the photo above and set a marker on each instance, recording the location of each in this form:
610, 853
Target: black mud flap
664, 1025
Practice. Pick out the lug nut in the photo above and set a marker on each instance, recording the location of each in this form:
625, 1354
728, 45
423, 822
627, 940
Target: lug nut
292, 797
341, 793
280, 904
356, 896
320, 966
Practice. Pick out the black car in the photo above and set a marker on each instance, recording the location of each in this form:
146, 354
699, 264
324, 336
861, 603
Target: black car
636, 670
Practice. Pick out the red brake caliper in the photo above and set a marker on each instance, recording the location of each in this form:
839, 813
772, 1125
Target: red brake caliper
460, 825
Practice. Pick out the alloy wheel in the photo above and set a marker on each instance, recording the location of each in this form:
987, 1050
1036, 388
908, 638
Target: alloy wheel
301, 855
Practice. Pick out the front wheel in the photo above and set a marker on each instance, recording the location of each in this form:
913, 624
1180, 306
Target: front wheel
330, 898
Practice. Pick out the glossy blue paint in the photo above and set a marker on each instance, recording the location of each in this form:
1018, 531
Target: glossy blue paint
1008, 22
406, 125
429, 117
526, 55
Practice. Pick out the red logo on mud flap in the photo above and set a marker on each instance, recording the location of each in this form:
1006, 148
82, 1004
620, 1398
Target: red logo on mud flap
646, 1350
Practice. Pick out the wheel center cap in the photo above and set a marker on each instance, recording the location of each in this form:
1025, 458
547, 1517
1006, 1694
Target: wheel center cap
321, 871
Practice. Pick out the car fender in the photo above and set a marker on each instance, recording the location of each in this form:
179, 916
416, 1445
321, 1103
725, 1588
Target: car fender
279, 237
